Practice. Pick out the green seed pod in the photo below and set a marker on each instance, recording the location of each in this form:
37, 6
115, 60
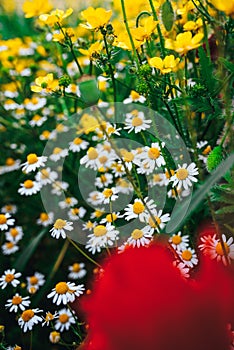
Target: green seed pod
167, 15
214, 158
89, 91
65, 80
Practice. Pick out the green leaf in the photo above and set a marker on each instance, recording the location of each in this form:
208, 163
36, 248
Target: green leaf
167, 15
24, 257
206, 73
198, 197
226, 210
228, 65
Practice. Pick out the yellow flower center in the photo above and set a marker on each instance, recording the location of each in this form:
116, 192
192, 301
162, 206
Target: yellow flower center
176, 239
36, 118
186, 255
137, 121
44, 174
107, 192
219, 249
75, 211
92, 153
14, 232
17, 347
28, 184
57, 150
16, 300
10, 161
49, 317
77, 141
153, 153
103, 178
134, 95
137, 234
182, 174
111, 217
3, 219
76, 267
138, 208
61, 288
9, 245
59, 224
103, 159
128, 156
99, 231
32, 158
44, 216
63, 318
68, 200
154, 222
33, 280
9, 278
27, 315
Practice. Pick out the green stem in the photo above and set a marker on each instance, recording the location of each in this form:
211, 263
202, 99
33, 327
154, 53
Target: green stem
129, 34
158, 28
82, 252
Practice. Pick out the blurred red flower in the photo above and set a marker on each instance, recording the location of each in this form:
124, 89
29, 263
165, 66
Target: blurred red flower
141, 301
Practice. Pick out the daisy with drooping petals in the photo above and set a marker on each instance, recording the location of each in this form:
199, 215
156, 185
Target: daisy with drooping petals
138, 209
29, 187
65, 320
59, 228
77, 271
65, 292
54, 337
189, 257
140, 237
136, 121
179, 242
212, 247
29, 318
5, 221
33, 162
10, 277
17, 302
48, 318
184, 176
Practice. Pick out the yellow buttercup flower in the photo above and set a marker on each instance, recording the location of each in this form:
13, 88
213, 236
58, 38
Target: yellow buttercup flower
224, 6
46, 83
124, 42
35, 8
191, 25
167, 65
144, 32
184, 42
96, 18
55, 16
94, 49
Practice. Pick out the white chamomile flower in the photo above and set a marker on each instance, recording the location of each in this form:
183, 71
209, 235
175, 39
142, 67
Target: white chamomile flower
91, 158
136, 121
93, 198
140, 237
34, 282
15, 234
9, 248
58, 153
45, 219
179, 242
139, 209
156, 220
59, 228
76, 213
184, 176
5, 221
9, 208
34, 103
151, 158
29, 187
184, 270
46, 176
17, 302
10, 165
124, 186
65, 320
104, 180
37, 120
134, 97
68, 202
108, 195
111, 217
65, 292
78, 144
212, 247
33, 162
77, 271
9, 277
29, 318
102, 237
54, 337
189, 257
58, 187
49, 317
